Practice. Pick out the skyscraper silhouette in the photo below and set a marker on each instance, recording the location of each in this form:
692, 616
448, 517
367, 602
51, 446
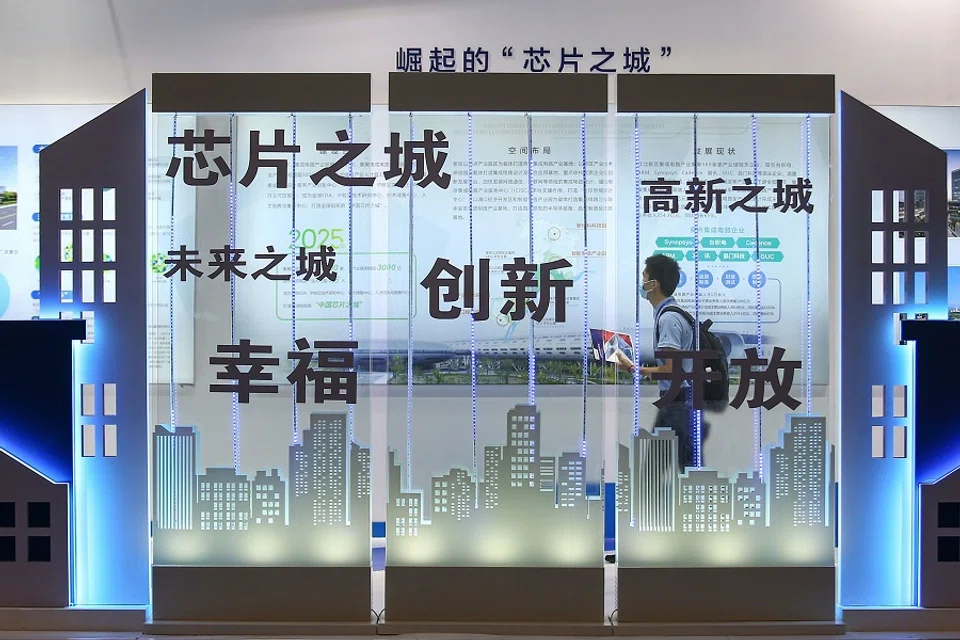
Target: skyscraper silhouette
404, 511
522, 452
655, 477
359, 484
224, 503
798, 474
624, 485
174, 477
268, 500
453, 495
325, 452
705, 505
571, 488
490, 489
749, 507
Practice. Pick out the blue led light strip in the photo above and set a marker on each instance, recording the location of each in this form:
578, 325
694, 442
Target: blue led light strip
696, 414
532, 353
637, 178
808, 368
173, 247
586, 270
473, 326
757, 417
293, 279
234, 400
350, 408
411, 292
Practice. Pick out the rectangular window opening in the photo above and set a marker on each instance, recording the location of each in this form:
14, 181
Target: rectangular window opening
87, 293
877, 288
899, 288
877, 248
899, 207
899, 401
878, 400
88, 400
110, 441
66, 245
66, 205
86, 245
920, 207
899, 248
109, 286
66, 287
920, 287
110, 399
109, 204
876, 448
88, 440
109, 238
900, 442
86, 204
919, 249
877, 208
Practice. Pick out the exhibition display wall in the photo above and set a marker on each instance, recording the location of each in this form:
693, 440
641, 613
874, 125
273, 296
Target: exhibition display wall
397, 337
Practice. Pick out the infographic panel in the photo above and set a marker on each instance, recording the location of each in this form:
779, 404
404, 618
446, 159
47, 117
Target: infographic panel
266, 459
747, 479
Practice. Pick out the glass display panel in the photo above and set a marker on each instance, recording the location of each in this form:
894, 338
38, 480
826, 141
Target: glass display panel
265, 459
750, 481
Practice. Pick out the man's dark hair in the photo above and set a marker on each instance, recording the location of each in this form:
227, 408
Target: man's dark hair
664, 270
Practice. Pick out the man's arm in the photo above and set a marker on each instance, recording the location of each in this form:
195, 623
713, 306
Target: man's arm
671, 333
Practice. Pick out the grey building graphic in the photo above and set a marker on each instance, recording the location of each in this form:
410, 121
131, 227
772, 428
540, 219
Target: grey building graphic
470, 521
940, 542
955, 185
703, 517
267, 518
175, 477
34, 530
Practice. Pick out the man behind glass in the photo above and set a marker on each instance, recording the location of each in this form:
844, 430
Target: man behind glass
661, 276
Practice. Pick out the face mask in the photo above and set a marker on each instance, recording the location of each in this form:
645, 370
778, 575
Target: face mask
643, 292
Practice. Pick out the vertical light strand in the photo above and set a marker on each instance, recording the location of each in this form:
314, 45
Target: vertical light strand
234, 399
411, 292
350, 329
473, 326
695, 414
350, 408
586, 271
173, 247
637, 191
808, 316
293, 278
757, 416
531, 353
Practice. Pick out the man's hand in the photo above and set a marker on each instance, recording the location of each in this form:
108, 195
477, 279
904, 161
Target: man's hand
623, 362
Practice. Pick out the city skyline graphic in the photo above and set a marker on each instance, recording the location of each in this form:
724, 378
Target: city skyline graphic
704, 518
318, 515
527, 509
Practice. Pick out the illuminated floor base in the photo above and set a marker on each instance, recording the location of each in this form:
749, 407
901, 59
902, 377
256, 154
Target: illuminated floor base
73, 619
901, 619
464, 599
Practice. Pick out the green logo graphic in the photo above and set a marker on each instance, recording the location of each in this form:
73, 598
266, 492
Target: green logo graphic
158, 264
